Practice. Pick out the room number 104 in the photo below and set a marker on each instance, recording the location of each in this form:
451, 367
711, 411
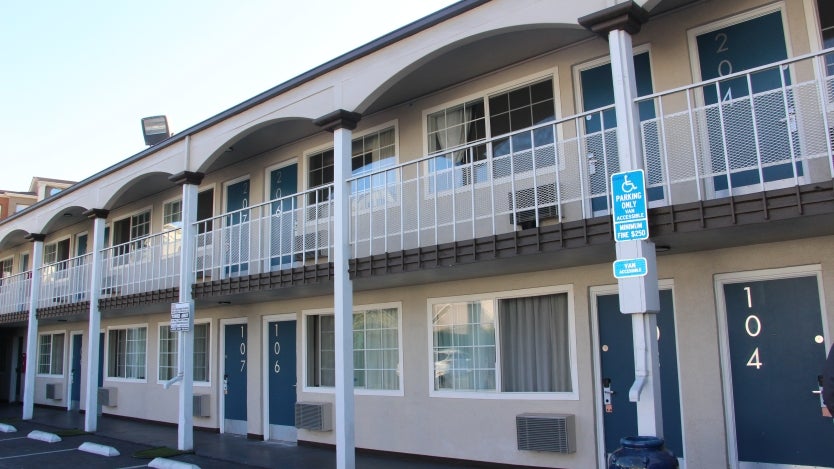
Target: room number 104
753, 327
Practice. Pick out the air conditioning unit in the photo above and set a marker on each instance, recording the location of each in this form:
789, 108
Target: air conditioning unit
525, 214
108, 397
202, 405
554, 433
317, 416
54, 391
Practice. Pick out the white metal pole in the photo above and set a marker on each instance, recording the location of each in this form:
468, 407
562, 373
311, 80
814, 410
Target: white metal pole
185, 342
32, 334
94, 326
343, 304
638, 295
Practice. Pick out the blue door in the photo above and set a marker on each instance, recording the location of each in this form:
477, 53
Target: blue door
75, 373
282, 373
775, 334
236, 234
617, 365
602, 155
100, 361
747, 130
283, 183
234, 378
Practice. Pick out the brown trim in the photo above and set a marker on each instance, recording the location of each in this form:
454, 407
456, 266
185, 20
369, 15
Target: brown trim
298, 276
66, 309
167, 295
35, 237
96, 213
187, 177
628, 17
10, 318
338, 119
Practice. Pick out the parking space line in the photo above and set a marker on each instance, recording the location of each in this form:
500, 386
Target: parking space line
15, 438
38, 454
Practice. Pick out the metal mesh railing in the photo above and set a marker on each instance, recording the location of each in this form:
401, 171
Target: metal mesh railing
280, 234
15, 293
65, 282
142, 265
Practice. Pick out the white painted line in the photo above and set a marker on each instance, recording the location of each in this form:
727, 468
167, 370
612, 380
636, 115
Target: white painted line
6, 428
162, 463
101, 450
44, 436
37, 454
12, 439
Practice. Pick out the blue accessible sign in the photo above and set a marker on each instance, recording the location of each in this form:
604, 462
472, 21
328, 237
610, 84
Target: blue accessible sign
625, 268
628, 194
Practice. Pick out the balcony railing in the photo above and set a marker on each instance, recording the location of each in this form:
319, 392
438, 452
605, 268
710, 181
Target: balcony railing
15, 293
142, 265
279, 234
65, 282
761, 129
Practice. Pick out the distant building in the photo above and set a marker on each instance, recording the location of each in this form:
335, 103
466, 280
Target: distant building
39, 189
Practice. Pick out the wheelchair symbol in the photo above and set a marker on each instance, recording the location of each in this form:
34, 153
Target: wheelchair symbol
628, 186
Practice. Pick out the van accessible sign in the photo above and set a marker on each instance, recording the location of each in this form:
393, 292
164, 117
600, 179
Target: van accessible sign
628, 194
626, 268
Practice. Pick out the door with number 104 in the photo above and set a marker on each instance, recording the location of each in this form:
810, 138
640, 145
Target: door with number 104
776, 351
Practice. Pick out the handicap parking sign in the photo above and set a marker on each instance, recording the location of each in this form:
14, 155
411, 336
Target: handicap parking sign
629, 203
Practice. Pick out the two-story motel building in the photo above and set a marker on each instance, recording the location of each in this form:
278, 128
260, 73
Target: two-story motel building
486, 324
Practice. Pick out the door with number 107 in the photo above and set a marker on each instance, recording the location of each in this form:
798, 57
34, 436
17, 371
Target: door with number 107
776, 350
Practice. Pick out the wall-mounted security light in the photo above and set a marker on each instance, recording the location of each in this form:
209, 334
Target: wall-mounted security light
155, 129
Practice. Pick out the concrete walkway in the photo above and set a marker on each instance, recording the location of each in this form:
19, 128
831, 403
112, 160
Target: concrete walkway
211, 450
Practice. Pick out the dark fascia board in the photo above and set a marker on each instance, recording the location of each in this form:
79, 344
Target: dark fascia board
391, 38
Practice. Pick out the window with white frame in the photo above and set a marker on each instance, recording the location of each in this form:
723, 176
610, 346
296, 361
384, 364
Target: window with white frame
130, 228
6, 267
126, 352
502, 344
168, 352
458, 134
56, 252
369, 152
376, 350
51, 354
172, 214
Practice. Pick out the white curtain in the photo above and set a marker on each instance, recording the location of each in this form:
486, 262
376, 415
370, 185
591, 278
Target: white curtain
535, 352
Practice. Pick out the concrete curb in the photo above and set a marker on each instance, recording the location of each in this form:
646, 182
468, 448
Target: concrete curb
6, 428
44, 436
95, 448
162, 463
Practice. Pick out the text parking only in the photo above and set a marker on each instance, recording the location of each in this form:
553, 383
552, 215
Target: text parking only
631, 220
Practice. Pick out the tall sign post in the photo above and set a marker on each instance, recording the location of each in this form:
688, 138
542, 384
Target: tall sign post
636, 266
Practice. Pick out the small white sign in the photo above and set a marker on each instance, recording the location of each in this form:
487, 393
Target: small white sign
181, 317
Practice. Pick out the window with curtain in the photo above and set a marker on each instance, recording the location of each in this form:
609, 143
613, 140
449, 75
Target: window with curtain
458, 135
376, 350
51, 354
509, 345
126, 353
168, 352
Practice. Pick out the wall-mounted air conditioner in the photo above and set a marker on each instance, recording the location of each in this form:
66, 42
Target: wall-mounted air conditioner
108, 397
316, 416
202, 405
555, 433
54, 391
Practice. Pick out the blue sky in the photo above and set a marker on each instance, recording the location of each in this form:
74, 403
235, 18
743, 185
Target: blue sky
78, 76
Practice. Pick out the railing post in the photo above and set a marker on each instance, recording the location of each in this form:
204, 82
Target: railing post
638, 296
99, 217
341, 123
32, 333
185, 340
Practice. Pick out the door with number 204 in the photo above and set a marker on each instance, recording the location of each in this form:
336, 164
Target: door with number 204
776, 351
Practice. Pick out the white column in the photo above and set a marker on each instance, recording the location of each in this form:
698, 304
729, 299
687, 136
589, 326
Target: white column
94, 327
185, 340
638, 295
343, 303
32, 334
